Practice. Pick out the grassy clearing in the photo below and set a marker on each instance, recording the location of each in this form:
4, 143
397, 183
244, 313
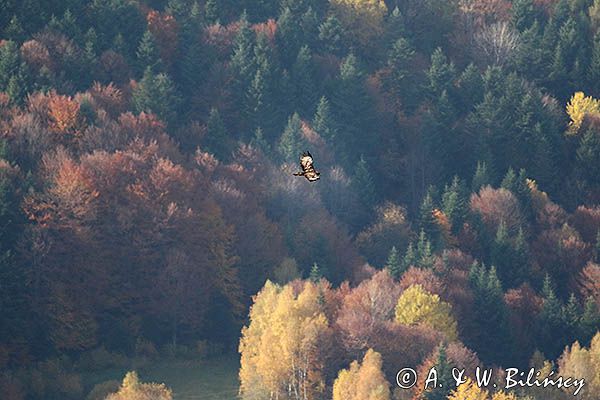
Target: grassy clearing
212, 379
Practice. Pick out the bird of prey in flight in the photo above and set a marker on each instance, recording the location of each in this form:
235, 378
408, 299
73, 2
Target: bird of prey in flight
308, 169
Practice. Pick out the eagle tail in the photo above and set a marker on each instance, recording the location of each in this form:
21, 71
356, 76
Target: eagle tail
298, 173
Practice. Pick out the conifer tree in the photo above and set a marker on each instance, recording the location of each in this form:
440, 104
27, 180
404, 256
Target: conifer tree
410, 258
551, 322
394, 264
427, 222
315, 273
441, 74
290, 142
445, 381
216, 135
332, 36
289, 35
424, 253
147, 54
589, 321
455, 203
156, 93
323, 122
14, 30
490, 336
304, 81
212, 12
481, 177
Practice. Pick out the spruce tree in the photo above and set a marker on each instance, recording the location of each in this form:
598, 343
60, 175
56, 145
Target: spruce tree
290, 143
394, 264
362, 181
216, 135
552, 333
303, 80
427, 222
332, 36
445, 381
424, 253
481, 177
289, 35
212, 12
410, 258
14, 30
147, 54
441, 74
323, 122
455, 203
589, 321
315, 273
156, 93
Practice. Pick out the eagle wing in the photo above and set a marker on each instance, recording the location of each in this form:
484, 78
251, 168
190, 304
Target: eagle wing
306, 162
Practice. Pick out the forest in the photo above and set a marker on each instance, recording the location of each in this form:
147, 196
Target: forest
148, 209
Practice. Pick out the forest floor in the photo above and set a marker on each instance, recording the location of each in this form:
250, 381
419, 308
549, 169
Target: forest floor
211, 379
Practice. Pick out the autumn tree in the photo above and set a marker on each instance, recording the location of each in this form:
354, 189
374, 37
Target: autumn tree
416, 306
280, 346
132, 388
362, 381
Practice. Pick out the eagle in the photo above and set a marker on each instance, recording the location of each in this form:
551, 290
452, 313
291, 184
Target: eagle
308, 170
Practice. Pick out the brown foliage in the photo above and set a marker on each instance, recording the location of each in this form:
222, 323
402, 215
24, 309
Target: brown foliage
424, 277
587, 222
64, 116
524, 305
495, 206
589, 281
165, 29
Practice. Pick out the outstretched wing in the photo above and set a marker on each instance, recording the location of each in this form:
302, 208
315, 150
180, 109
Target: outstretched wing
306, 162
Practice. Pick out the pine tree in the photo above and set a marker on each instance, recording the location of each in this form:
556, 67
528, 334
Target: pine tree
523, 14
594, 68
394, 264
402, 83
323, 122
259, 141
588, 158
216, 135
572, 315
242, 59
147, 54
290, 142
481, 177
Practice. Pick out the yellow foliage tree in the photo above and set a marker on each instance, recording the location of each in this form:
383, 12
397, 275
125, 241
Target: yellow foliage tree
279, 348
133, 389
417, 306
581, 363
504, 396
468, 391
578, 107
364, 18
362, 382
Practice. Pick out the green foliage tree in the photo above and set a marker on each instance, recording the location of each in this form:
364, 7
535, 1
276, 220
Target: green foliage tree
147, 54
394, 264
290, 143
216, 135
323, 122
157, 94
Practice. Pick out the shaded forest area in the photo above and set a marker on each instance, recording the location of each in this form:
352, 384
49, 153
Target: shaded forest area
146, 192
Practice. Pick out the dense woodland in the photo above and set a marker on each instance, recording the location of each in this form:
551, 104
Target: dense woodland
148, 207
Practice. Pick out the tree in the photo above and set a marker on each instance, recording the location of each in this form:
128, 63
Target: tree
394, 264
157, 94
490, 335
481, 177
444, 377
216, 135
468, 391
454, 203
553, 332
441, 74
304, 81
332, 36
362, 381
280, 356
362, 182
363, 18
148, 55
323, 122
416, 306
132, 388
290, 143
212, 11
578, 107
